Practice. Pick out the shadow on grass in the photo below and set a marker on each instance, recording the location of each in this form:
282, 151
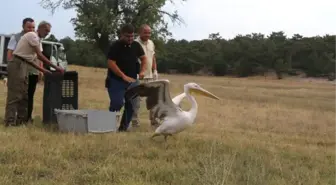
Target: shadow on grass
38, 124
48, 127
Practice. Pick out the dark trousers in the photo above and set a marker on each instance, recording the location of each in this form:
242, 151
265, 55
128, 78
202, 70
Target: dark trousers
32, 82
137, 101
116, 90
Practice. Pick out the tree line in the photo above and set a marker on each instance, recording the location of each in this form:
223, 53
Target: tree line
242, 56
97, 22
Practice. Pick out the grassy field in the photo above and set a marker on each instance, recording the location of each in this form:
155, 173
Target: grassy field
262, 132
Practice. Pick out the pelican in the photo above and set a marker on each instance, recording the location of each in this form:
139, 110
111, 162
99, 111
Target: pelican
176, 100
173, 118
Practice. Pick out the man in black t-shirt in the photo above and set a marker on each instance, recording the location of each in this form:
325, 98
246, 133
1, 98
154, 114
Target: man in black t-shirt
122, 72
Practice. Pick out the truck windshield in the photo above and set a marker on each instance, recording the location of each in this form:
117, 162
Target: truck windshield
62, 61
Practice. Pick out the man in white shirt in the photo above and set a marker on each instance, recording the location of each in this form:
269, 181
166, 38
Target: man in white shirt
149, 48
151, 70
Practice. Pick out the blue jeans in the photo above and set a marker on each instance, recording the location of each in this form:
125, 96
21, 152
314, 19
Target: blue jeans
116, 90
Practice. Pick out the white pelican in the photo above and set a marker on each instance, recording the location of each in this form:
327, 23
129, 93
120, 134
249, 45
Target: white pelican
173, 118
176, 100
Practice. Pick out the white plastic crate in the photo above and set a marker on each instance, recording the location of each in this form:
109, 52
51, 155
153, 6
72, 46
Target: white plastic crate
85, 121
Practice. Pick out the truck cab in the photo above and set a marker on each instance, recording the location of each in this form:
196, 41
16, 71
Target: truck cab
54, 51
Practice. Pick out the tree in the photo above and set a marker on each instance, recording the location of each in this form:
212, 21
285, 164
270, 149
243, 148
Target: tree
99, 20
243, 56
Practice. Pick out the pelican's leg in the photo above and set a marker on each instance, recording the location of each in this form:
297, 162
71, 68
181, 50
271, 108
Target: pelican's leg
166, 143
172, 136
166, 136
154, 135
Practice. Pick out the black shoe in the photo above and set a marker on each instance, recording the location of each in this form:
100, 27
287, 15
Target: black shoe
20, 122
122, 129
30, 121
10, 124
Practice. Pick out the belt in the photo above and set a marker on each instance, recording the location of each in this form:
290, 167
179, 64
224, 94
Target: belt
21, 58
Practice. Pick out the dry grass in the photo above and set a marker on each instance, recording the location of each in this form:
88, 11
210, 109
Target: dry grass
262, 132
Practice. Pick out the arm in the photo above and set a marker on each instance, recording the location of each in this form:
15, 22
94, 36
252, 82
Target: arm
41, 65
143, 59
43, 59
35, 43
37, 66
40, 75
10, 48
40, 62
113, 66
154, 67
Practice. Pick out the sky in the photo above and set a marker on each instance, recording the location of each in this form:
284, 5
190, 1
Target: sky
202, 17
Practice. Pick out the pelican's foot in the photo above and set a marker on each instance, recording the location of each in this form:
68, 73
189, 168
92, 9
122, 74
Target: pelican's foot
154, 135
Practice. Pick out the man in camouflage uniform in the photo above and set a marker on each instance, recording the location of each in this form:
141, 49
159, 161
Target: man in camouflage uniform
27, 50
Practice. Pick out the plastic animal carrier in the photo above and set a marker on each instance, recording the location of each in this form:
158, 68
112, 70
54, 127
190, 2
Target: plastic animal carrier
60, 92
85, 121
70, 91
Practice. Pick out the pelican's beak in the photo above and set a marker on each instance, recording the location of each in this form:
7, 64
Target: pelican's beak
204, 92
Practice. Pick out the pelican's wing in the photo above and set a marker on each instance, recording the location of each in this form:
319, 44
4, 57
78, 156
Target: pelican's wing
157, 93
177, 99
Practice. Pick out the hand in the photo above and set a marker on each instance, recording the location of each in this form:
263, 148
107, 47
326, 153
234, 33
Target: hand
60, 70
46, 72
141, 75
128, 79
155, 75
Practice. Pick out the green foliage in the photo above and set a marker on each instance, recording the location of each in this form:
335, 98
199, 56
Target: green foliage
242, 56
97, 22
